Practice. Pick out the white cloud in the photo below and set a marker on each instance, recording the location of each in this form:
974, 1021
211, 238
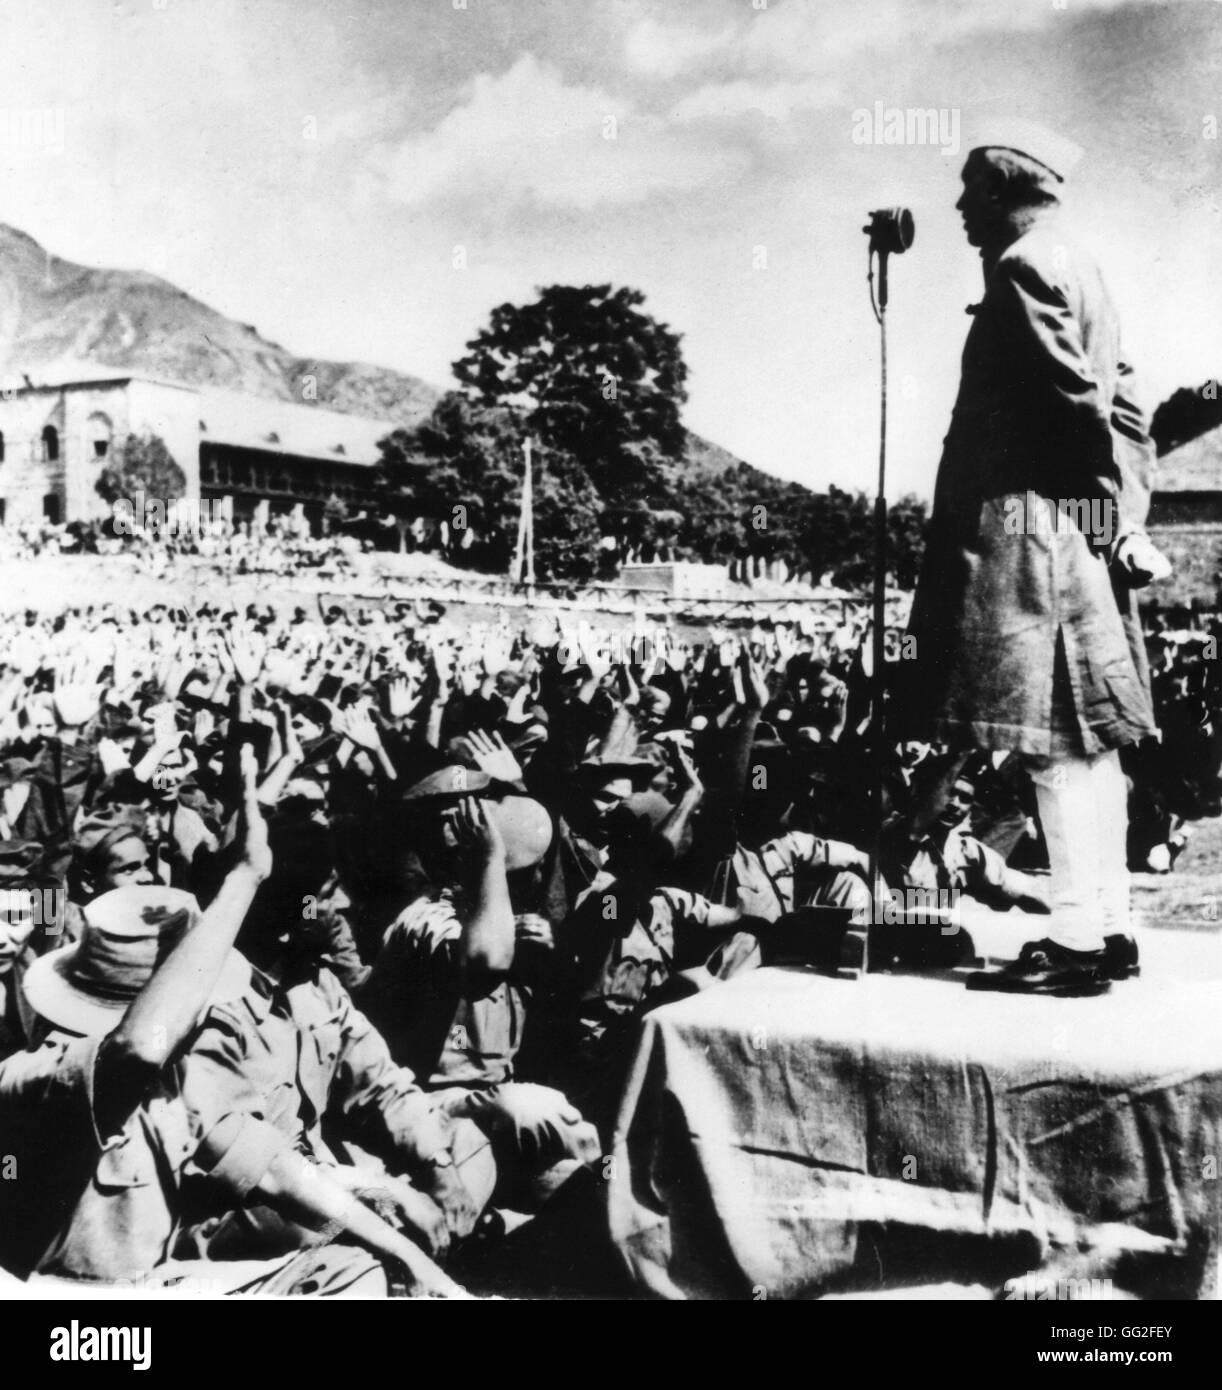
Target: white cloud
666, 50
526, 133
776, 100
819, 36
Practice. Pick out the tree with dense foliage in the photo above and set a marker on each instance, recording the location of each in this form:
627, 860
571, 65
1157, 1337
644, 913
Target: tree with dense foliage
141, 464
462, 469
598, 384
591, 376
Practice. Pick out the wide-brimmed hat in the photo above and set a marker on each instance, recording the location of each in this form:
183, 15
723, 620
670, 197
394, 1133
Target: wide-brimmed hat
524, 823
88, 986
449, 783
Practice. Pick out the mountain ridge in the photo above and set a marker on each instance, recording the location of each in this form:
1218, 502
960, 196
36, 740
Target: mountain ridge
58, 318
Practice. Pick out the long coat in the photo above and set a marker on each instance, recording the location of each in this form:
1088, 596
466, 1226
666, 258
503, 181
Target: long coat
1026, 636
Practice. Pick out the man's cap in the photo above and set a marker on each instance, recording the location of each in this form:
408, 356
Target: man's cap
19, 862
14, 770
525, 827
1058, 154
600, 769
449, 784
524, 823
126, 934
95, 836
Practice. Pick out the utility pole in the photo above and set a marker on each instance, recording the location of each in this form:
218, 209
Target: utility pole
524, 550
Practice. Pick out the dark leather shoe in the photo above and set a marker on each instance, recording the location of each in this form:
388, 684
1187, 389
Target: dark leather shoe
1120, 960
1044, 967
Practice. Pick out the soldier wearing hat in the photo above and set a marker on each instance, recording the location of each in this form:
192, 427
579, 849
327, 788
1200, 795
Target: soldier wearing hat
109, 1110
1025, 616
111, 1011
293, 1033
452, 985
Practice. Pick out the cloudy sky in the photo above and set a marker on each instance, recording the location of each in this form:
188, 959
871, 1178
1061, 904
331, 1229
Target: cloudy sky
368, 178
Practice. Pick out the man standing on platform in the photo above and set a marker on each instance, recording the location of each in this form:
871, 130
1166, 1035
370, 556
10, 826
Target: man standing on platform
1025, 616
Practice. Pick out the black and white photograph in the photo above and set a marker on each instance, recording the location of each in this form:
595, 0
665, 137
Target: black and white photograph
609, 660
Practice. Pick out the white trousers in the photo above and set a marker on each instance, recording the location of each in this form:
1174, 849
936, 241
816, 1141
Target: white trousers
1083, 806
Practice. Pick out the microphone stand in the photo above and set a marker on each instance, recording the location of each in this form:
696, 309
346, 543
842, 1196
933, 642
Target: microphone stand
878, 681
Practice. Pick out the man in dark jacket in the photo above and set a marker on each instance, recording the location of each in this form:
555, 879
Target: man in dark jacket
1026, 625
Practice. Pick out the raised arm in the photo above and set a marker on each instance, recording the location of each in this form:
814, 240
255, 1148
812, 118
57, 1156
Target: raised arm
162, 1015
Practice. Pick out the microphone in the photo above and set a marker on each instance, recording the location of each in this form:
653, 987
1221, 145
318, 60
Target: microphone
890, 230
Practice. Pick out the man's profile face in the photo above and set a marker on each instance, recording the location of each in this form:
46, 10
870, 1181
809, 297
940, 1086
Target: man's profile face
977, 203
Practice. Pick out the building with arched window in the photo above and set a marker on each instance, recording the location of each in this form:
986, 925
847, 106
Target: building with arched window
258, 456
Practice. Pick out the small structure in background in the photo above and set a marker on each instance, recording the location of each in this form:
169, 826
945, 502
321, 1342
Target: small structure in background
266, 457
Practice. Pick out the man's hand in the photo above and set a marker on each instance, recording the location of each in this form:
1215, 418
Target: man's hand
491, 755
356, 724
401, 697
495, 655
414, 1213
477, 832
686, 777
247, 651
1141, 561
593, 653
114, 759
77, 695
754, 682
448, 1191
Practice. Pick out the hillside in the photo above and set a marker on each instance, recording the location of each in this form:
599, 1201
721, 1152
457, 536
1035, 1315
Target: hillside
58, 320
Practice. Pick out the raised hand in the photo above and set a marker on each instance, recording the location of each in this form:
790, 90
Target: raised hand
356, 724
593, 653
476, 831
786, 646
247, 652
495, 656
77, 694
755, 683
401, 697
490, 754
256, 852
683, 765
